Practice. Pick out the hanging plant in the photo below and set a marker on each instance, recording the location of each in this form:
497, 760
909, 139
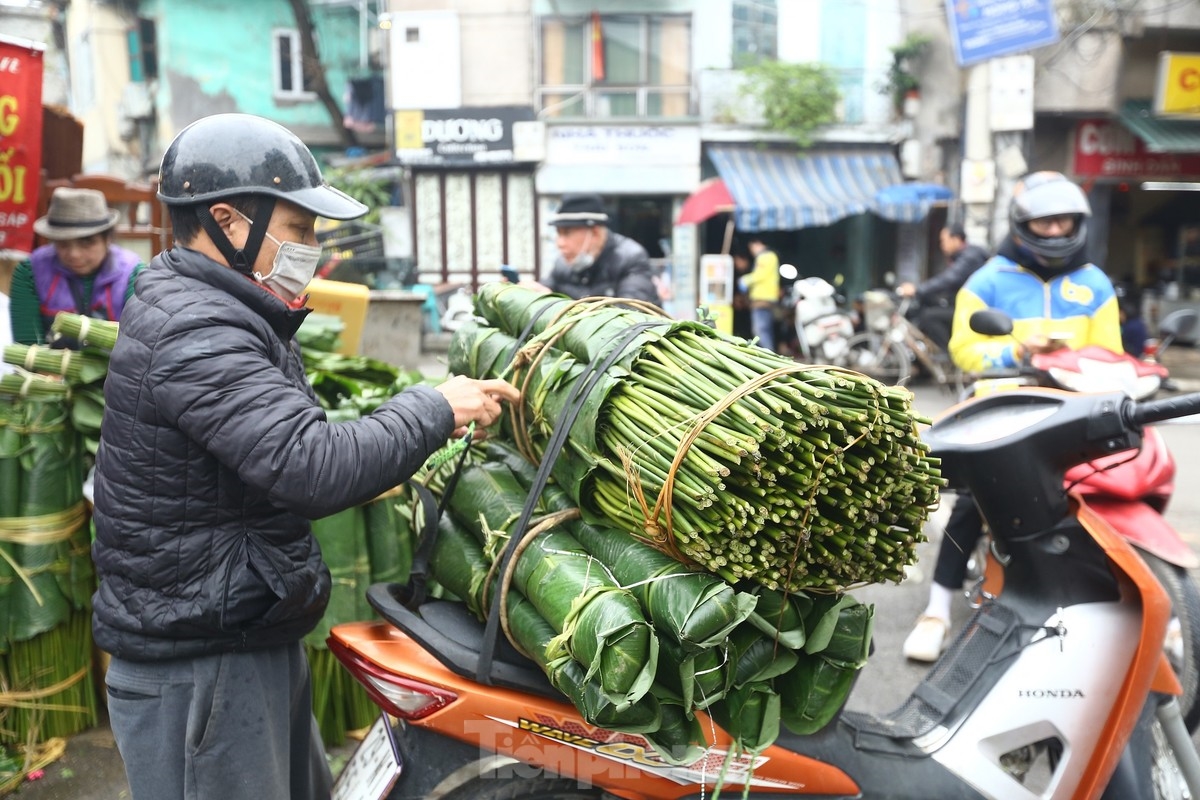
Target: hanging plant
901, 78
367, 186
796, 99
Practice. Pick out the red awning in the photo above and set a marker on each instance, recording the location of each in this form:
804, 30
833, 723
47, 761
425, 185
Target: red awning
711, 198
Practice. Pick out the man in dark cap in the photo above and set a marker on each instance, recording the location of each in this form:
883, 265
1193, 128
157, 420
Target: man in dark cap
593, 260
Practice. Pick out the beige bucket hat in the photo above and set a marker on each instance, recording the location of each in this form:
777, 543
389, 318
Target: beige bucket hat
75, 214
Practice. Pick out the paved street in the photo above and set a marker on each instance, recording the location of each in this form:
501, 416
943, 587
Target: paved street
91, 768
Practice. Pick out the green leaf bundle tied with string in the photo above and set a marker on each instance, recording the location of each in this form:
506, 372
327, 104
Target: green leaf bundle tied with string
46, 576
598, 624
719, 453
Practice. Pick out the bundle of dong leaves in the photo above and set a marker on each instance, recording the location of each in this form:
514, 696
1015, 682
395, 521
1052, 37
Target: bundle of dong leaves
46, 577
639, 642
724, 455
709, 507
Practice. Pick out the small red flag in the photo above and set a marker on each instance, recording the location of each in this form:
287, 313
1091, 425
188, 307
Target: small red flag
597, 48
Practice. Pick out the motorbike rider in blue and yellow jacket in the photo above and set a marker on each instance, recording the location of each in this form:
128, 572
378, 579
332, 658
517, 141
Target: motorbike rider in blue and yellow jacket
1041, 278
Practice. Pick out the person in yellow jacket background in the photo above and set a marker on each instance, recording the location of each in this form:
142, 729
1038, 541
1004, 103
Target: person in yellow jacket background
1041, 278
762, 288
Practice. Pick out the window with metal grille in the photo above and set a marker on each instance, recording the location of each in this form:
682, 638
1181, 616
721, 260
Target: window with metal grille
615, 65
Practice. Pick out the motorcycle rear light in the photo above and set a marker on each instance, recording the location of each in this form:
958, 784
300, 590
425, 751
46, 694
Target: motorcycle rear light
404, 698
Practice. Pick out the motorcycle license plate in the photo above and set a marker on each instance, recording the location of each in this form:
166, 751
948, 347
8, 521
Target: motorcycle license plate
374, 768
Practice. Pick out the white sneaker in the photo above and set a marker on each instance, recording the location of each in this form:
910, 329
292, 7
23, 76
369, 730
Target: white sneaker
927, 640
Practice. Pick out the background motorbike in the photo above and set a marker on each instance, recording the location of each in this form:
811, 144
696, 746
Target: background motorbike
1130, 490
1058, 687
823, 329
892, 348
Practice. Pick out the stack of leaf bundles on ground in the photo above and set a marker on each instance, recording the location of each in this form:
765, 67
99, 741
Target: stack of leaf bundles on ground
722, 454
46, 577
639, 642
82, 368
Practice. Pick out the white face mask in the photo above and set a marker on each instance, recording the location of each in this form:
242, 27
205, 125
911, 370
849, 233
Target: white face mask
583, 260
292, 269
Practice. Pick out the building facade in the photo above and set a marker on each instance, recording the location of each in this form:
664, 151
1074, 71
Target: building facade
1094, 112
641, 102
491, 110
138, 72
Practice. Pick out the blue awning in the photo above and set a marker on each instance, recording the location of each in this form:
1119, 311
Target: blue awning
780, 190
909, 202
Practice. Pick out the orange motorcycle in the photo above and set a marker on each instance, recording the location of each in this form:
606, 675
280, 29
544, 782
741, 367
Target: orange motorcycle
1057, 688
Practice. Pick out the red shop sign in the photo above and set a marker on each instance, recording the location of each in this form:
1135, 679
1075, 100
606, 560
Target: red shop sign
20, 142
1104, 148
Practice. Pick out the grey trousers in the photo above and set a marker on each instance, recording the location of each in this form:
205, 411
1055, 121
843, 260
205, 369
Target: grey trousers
237, 726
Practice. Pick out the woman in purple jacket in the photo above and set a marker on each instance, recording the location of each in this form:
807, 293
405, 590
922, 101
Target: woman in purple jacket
81, 271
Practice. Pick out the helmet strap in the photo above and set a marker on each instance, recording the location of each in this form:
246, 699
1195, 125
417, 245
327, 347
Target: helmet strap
242, 260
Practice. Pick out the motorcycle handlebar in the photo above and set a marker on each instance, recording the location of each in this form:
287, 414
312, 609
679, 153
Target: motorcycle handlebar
1140, 414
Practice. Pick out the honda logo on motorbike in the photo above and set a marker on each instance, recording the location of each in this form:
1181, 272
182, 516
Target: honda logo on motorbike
1045, 694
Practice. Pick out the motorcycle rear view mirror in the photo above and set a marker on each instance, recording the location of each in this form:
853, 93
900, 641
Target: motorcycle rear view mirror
990, 322
1180, 322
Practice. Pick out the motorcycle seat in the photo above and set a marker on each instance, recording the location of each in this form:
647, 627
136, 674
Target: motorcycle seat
453, 635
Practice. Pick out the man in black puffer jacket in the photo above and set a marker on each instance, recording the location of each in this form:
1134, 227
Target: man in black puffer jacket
214, 455
595, 261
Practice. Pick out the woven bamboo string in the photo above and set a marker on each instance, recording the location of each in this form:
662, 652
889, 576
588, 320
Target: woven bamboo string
29, 697
543, 524
43, 529
37, 756
531, 354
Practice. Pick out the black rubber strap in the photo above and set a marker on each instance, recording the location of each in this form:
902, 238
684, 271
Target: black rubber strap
416, 591
583, 388
241, 260
529, 325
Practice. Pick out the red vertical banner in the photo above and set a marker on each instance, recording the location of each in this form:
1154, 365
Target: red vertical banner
20, 142
597, 48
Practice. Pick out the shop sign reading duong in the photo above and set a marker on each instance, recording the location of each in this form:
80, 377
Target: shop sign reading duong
1105, 148
458, 136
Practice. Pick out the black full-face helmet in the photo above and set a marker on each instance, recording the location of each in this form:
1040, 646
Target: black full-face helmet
1049, 194
236, 155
